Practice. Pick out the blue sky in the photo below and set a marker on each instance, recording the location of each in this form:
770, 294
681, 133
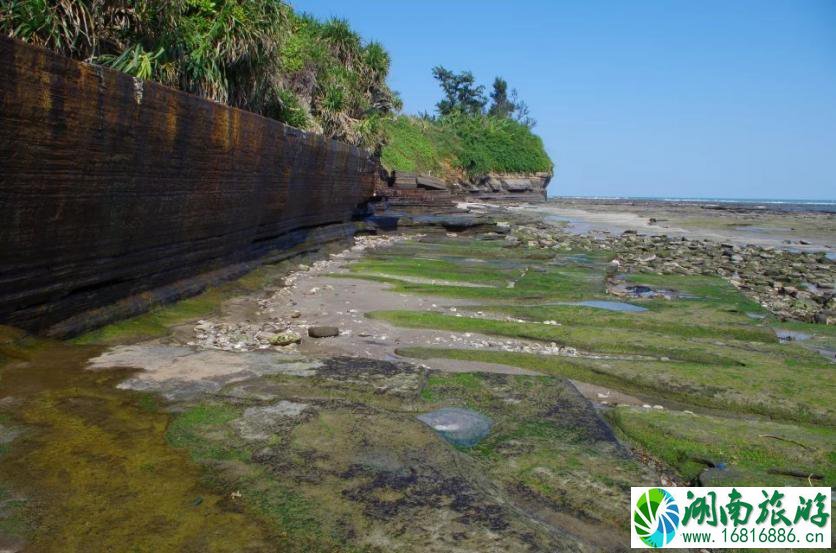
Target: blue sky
638, 98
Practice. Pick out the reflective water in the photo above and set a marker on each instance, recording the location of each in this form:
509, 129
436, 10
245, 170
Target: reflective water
461, 427
88, 467
791, 335
610, 305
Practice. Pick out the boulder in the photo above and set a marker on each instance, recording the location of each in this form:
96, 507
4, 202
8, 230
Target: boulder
323, 331
262, 422
430, 183
494, 183
285, 338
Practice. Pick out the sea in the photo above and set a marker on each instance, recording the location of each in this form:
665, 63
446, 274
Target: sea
825, 206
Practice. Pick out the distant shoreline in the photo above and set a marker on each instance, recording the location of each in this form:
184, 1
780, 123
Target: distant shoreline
793, 225
765, 204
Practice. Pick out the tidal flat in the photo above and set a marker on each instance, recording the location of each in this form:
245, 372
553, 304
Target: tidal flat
806, 226
209, 426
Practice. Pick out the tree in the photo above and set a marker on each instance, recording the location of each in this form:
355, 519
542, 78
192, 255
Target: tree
511, 108
521, 113
501, 106
461, 94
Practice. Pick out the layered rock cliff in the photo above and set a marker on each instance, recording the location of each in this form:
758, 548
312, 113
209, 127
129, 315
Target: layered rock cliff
409, 188
529, 187
114, 189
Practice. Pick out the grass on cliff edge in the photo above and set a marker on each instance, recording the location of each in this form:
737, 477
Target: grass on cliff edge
452, 145
417, 145
260, 56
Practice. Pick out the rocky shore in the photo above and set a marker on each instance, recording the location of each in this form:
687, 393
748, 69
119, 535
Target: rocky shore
474, 372
792, 285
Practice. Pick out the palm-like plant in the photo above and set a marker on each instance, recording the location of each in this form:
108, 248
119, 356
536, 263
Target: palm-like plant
134, 61
344, 43
253, 54
64, 26
376, 61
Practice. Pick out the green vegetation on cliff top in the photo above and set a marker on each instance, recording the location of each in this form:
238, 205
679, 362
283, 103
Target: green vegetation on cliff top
319, 76
258, 56
468, 137
463, 144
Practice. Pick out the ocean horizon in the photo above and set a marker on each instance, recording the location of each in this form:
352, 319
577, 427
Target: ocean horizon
784, 204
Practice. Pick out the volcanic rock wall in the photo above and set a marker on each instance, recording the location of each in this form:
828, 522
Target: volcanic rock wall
115, 188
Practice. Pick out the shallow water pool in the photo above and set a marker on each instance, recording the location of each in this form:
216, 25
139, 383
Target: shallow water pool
610, 305
791, 335
461, 427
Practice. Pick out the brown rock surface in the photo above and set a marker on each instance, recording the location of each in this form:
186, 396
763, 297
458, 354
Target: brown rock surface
113, 187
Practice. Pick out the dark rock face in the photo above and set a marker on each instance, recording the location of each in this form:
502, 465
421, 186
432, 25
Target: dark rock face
404, 189
113, 187
404, 180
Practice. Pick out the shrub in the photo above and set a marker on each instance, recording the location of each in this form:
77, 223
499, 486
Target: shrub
474, 144
253, 54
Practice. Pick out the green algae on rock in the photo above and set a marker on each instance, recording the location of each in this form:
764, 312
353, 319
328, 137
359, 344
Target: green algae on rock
327, 454
337, 456
91, 470
761, 452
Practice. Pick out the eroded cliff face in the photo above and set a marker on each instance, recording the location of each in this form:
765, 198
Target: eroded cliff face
403, 188
528, 187
114, 189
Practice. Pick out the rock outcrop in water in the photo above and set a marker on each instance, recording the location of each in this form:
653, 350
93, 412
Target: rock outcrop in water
792, 285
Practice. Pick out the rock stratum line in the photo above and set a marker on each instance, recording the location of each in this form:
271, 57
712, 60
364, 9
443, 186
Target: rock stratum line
120, 192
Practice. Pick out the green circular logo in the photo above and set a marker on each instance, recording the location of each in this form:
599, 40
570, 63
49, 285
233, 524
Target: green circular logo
656, 517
